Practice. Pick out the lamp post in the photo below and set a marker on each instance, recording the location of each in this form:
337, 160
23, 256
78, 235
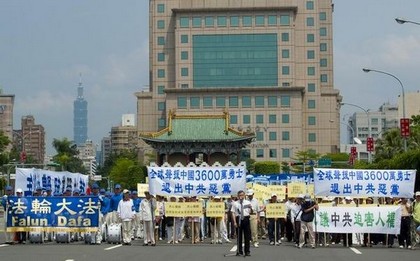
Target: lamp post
401, 20
22, 137
369, 131
404, 131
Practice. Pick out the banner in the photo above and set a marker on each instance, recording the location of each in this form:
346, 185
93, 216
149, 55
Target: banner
364, 182
141, 188
382, 220
174, 209
29, 179
295, 189
196, 181
275, 210
215, 209
74, 214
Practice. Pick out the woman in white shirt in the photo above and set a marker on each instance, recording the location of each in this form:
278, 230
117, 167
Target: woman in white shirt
126, 213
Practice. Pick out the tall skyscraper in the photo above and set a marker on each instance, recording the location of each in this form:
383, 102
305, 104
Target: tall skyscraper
80, 119
6, 115
268, 63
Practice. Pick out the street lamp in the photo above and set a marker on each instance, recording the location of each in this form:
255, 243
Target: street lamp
403, 21
369, 130
403, 131
22, 137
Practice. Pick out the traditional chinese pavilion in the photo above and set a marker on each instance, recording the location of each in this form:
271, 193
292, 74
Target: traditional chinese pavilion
197, 139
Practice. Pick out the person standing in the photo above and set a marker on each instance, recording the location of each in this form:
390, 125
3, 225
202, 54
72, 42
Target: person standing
404, 238
136, 229
306, 221
126, 213
96, 237
273, 225
146, 210
295, 213
115, 200
255, 217
416, 220
241, 211
5, 204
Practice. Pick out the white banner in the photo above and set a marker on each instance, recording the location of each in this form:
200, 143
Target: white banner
382, 220
29, 179
364, 182
196, 181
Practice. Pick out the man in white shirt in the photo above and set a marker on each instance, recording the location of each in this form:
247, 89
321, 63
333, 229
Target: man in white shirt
255, 217
147, 209
126, 213
241, 211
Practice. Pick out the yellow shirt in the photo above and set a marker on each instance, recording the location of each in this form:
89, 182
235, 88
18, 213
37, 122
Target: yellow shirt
416, 211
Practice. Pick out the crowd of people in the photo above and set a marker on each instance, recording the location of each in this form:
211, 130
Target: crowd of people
244, 221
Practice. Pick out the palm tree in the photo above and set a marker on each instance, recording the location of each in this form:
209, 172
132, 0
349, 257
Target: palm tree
389, 145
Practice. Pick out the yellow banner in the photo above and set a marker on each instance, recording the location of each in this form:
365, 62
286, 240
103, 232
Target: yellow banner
215, 209
174, 209
141, 188
193, 209
275, 210
279, 190
310, 189
263, 192
296, 188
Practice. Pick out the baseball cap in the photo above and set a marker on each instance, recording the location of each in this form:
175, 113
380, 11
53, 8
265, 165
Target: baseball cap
68, 189
126, 191
19, 190
217, 197
134, 192
348, 198
102, 191
300, 196
417, 193
118, 186
250, 192
273, 195
95, 186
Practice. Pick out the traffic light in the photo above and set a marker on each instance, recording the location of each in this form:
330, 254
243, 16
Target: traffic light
23, 157
405, 127
369, 144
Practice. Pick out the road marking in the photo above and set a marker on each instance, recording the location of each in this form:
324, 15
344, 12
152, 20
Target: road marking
355, 250
233, 249
4, 245
110, 248
69, 260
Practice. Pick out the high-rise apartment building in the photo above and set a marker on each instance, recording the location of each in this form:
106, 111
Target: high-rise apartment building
124, 137
6, 116
80, 114
268, 63
30, 140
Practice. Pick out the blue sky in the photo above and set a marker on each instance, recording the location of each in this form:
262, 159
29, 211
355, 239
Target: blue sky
45, 44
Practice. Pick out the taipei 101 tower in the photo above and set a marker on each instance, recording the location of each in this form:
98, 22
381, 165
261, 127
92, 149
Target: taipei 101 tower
80, 116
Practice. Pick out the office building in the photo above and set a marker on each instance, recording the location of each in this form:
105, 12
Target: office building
80, 117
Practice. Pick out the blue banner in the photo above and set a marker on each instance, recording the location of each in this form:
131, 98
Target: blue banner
74, 214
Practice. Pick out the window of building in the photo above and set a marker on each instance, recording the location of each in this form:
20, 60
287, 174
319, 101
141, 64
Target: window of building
374, 121
234, 21
311, 137
285, 135
284, 37
184, 38
272, 135
272, 20
161, 123
285, 118
247, 21
160, 8
161, 40
208, 102
324, 78
311, 104
196, 22
245, 154
311, 87
220, 102
285, 153
161, 24
184, 86
285, 70
311, 120
310, 21
310, 38
233, 119
233, 101
182, 102
311, 71
310, 5
246, 119
259, 101
161, 57
310, 54
285, 53
285, 101
221, 21
322, 16
260, 153
284, 20
246, 102
161, 73
184, 72
259, 136
322, 31
195, 102
323, 62
323, 47
272, 118
184, 22
259, 20
184, 55
272, 101
273, 153
161, 106
161, 89
259, 119
209, 21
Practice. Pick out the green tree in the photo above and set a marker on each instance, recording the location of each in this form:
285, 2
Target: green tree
4, 142
389, 145
267, 167
127, 173
67, 156
305, 157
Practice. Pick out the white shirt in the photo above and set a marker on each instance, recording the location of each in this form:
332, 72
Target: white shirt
246, 206
295, 211
125, 210
146, 210
255, 206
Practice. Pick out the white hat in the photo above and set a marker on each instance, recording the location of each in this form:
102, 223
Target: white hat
348, 198
300, 196
273, 195
19, 190
217, 197
250, 192
417, 193
126, 191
